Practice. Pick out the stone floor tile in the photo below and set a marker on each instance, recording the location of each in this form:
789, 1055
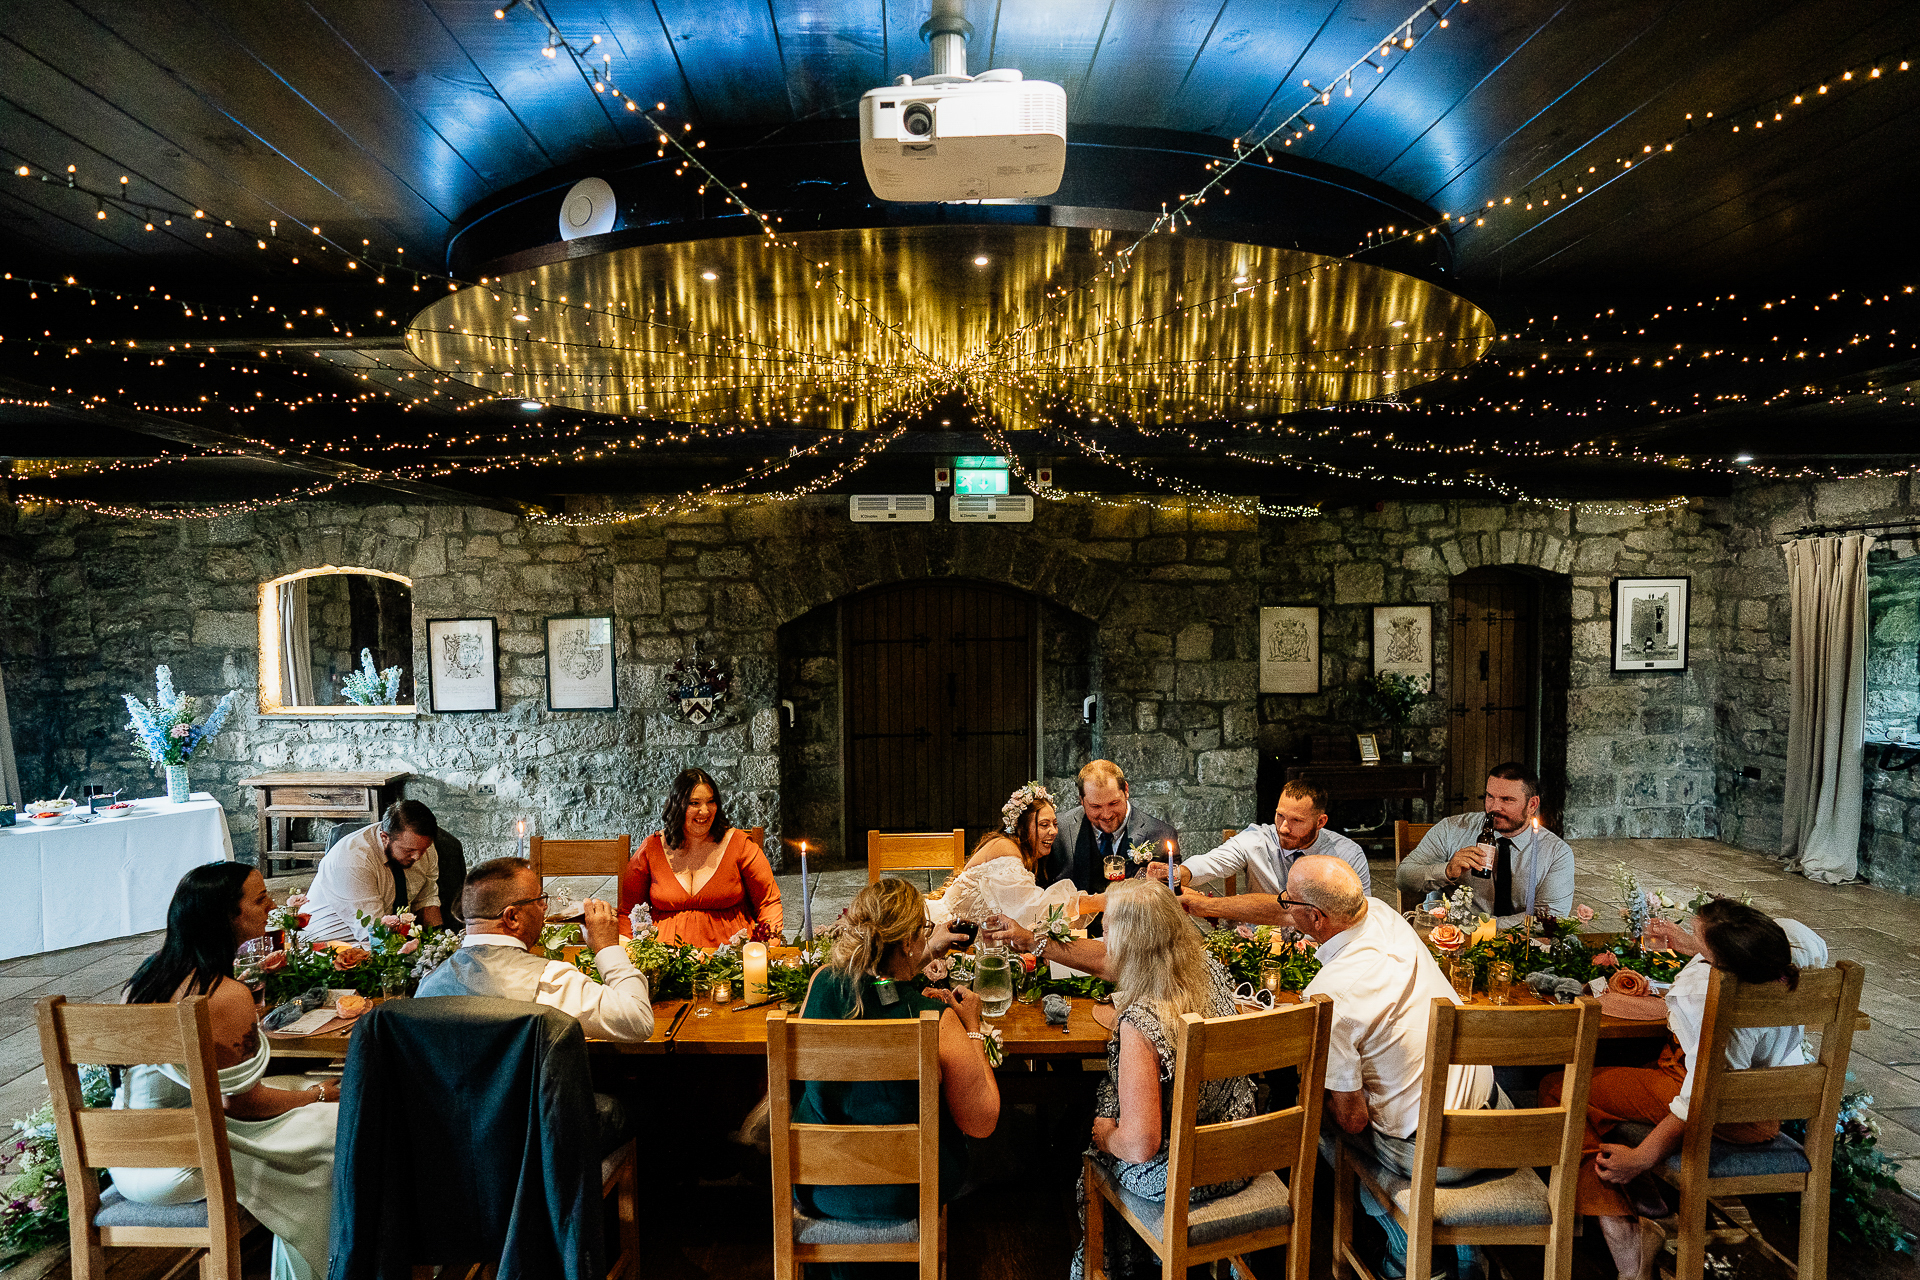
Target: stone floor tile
1891, 1089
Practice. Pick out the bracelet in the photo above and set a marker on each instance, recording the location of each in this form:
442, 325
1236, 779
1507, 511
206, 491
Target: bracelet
976, 1035
1040, 941
318, 1090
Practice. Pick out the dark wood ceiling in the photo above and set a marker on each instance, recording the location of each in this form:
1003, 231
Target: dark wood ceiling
388, 122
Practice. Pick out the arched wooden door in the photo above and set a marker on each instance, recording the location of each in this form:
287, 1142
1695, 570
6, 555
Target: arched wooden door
1492, 680
940, 706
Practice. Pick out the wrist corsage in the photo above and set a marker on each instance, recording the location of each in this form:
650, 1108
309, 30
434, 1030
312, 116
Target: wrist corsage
990, 1044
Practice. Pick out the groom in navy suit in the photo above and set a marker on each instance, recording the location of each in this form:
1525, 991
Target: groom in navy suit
1106, 820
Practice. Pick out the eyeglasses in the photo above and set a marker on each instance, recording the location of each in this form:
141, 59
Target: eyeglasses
1284, 901
542, 900
1245, 994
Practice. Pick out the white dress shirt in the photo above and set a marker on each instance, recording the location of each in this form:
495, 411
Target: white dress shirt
1383, 980
354, 876
1258, 850
617, 1007
1542, 867
1747, 1046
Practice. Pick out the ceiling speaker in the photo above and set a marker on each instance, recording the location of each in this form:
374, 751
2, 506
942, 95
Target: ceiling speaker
588, 209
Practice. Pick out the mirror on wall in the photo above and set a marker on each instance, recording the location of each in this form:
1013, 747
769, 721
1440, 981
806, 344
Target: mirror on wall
337, 640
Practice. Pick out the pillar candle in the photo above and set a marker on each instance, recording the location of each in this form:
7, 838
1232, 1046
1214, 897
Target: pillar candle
753, 967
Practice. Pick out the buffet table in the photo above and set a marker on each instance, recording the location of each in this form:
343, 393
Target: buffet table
83, 882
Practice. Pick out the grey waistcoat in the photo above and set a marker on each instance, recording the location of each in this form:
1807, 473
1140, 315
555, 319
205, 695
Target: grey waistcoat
503, 973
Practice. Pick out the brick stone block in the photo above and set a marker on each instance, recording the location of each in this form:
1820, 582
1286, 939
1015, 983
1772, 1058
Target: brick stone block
1359, 583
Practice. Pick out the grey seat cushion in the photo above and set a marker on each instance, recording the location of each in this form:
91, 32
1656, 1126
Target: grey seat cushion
1261, 1204
808, 1230
118, 1211
1780, 1154
1519, 1199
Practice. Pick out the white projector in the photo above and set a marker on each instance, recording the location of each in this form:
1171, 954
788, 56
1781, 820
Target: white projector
993, 137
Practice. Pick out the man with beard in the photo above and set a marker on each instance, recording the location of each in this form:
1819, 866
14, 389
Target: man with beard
1517, 869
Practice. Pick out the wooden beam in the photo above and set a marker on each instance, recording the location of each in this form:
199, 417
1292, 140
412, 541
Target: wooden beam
162, 427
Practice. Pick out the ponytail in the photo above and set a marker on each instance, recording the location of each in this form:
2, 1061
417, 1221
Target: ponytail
887, 914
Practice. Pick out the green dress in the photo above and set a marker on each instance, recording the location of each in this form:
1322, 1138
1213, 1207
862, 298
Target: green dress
833, 995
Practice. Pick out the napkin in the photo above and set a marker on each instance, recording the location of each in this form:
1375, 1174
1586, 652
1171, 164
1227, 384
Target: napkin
1055, 1008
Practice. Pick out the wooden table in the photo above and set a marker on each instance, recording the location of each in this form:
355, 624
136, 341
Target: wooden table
1384, 781
279, 798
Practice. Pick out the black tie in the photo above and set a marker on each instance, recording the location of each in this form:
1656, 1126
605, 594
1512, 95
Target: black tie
399, 887
1503, 877
1106, 851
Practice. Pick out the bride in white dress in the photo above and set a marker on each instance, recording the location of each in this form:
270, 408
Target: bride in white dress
1000, 876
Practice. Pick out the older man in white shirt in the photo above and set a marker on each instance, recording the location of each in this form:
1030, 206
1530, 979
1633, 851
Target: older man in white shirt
506, 910
1266, 853
377, 871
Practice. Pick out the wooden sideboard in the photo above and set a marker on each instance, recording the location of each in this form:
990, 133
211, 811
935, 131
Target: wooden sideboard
1385, 782
279, 798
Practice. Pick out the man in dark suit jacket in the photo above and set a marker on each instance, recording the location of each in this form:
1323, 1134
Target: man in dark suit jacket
1105, 820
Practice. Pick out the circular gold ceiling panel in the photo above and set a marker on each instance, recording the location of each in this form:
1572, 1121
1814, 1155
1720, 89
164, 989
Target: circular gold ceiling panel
841, 329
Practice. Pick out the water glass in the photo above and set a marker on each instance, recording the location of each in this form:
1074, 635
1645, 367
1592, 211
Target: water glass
1500, 982
247, 960
993, 983
1462, 976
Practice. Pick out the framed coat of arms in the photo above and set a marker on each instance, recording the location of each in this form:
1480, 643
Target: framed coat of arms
580, 674
463, 664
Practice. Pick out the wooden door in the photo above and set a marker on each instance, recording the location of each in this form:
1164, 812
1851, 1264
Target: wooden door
941, 706
1492, 681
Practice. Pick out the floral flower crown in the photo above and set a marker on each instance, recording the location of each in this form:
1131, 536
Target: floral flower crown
1024, 798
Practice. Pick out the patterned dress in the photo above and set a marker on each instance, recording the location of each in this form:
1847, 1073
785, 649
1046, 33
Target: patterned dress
1220, 1100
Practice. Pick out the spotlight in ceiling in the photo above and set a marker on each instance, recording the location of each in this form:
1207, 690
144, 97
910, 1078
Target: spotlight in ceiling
521, 317
1239, 279
981, 261
709, 275
588, 209
1743, 457
532, 406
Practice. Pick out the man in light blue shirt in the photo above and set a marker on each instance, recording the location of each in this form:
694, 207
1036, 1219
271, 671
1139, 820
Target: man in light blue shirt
1265, 853
1519, 869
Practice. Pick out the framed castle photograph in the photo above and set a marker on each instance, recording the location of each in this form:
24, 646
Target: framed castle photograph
1290, 649
1650, 618
1403, 642
580, 663
463, 665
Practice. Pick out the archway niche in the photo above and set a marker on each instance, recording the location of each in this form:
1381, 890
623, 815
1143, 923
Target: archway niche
1509, 648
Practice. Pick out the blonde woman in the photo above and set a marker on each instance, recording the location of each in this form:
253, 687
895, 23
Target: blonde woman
1160, 970
1002, 874
882, 944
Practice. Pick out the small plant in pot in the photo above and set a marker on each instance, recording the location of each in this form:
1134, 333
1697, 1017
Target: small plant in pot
1386, 699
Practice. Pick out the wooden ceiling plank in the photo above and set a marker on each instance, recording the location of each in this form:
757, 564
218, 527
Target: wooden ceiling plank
832, 55
731, 60
546, 94
1054, 41
1145, 50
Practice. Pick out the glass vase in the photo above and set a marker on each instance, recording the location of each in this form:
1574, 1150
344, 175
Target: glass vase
179, 790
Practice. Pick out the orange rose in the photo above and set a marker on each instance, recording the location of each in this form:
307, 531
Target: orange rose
352, 1006
350, 957
275, 961
1628, 983
1447, 937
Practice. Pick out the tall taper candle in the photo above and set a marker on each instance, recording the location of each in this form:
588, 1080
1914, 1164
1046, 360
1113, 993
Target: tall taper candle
1173, 866
806, 899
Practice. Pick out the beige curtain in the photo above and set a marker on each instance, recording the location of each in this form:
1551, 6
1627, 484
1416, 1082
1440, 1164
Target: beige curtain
9, 775
296, 647
1827, 578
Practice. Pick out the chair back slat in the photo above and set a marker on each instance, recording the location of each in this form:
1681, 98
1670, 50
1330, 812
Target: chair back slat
122, 1034
892, 1054
1502, 1139
1242, 1148
1772, 1093
1407, 836
1814, 1003
1514, 1035
604, 857
1250, 1043
888, 852
855, 1155
155, 1139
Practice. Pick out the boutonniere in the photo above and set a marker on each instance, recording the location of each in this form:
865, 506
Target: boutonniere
1055, 927
1142, 853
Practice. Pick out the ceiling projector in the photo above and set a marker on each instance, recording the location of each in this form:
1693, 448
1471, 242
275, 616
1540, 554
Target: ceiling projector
951, 136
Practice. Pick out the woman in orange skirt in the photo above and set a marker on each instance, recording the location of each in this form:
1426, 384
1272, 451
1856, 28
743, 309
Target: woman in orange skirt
701, 878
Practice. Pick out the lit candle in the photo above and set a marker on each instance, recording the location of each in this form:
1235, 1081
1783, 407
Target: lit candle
1173, 867
806, 899
753, 966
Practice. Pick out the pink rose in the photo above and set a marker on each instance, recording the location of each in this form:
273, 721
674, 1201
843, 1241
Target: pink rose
392, 922
296, 902
1448, 937
180, 731
1606, 959
413, 945
1244, 930
1583, 913
1438, 913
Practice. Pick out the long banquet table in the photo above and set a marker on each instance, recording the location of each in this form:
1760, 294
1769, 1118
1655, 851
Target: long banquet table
83, 882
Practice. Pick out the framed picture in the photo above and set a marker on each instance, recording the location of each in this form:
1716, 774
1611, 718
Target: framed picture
1290, 649
580, 663
1403, 642
1650, 618
463, 664
1369, 748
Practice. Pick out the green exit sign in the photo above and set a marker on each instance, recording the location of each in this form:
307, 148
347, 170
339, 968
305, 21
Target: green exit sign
972, 480
979, 462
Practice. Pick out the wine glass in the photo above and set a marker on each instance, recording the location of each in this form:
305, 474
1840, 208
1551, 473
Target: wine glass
248, 961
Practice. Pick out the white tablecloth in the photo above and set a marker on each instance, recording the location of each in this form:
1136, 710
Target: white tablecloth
78, 883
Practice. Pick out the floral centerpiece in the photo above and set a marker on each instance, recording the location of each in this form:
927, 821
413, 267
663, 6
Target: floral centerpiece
290, 918
1246, 950
369, 688
169, 732
399, 952
33, 1209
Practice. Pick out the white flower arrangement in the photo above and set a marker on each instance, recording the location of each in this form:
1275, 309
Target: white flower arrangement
991, 1043
435, 947
641, 917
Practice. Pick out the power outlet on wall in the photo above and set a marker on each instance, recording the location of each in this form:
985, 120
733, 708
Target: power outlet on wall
486, 788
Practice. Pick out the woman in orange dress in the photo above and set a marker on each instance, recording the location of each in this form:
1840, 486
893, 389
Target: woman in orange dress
702, 879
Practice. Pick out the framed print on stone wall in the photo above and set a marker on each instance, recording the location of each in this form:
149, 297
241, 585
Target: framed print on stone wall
1403, 642
1650, 618
463, 664
580, 663
1290, 649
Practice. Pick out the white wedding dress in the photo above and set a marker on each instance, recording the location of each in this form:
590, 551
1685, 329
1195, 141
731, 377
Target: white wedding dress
1001, 885
282, 1167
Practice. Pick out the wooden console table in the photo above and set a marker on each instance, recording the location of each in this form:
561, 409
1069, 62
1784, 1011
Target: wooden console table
1348, 781
279, 798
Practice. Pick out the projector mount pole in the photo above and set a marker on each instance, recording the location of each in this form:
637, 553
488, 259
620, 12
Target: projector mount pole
947, 32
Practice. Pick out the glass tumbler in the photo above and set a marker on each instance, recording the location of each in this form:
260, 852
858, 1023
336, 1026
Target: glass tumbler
993, 983
1500, 982
1462, 975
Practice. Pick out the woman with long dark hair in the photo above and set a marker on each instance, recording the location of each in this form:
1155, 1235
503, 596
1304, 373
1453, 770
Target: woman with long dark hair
700, 877
1614, 1183
280, 1129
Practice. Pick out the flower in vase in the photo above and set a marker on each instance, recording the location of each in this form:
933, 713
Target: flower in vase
345, 958
1448, 937
180, 731
1606, 959
1583, 913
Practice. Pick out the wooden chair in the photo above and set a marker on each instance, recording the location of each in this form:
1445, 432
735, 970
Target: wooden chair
855, 1155
1267, 1213
1826, 1002
891, 852
1517, 1208
620, 1182
95, 1138
607, 857
1407, 835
